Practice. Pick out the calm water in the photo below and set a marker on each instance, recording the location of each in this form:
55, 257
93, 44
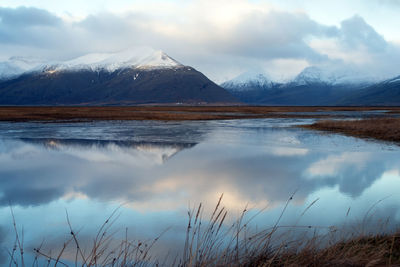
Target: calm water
158, 170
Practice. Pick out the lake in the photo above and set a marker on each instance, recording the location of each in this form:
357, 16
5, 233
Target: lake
158, 171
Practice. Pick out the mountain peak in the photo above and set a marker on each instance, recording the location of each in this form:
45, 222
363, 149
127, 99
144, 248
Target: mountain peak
139, 57
332, 76
248, 80
311, 75
159, 59
136, 57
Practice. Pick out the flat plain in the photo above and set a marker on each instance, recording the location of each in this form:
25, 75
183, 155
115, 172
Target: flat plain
178, 113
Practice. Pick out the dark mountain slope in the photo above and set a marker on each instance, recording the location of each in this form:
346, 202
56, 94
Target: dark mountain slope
386, 93
317, 94
121, 87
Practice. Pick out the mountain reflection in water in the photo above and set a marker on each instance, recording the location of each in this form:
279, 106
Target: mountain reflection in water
161, 151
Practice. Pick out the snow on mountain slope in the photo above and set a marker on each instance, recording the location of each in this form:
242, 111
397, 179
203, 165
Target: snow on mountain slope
138, 57
144, 58
339, 76
394, 80
248, 81
15, 66
7, 69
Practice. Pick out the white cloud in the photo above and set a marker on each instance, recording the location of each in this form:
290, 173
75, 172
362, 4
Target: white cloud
289, 151
332, 165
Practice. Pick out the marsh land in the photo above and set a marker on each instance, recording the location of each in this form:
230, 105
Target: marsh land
171, 113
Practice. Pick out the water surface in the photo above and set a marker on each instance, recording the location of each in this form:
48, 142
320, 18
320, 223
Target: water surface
158, 170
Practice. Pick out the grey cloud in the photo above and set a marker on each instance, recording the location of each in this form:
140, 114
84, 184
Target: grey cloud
274, 35
36, 32
355, 32
257, 38
26, 196
27, 16
379, 58
395, 3
266, 35
30, 27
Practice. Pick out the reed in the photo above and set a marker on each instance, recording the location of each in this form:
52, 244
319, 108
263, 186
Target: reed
215, 242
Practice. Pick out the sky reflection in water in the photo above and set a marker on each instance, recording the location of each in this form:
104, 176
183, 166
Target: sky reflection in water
158, 169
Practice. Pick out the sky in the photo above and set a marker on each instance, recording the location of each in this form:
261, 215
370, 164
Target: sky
221, 38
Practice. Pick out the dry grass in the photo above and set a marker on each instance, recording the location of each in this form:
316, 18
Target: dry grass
166, 112
214, 242
387, 129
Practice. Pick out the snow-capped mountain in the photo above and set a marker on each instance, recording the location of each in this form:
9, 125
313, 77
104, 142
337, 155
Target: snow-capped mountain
395, 80
8, 70
385, 93
16, 66
250, 87
248, 81
339, 76
138, 57
135, 76
317, 86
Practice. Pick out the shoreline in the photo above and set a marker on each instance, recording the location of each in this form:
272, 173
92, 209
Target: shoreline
173, 113
382, 129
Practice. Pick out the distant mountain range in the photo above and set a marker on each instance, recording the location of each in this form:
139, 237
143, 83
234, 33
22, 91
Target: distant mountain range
142, 75
315, 87
136, 76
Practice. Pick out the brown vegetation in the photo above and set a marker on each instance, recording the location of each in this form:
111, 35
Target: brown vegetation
55, 114
386, 129
214, 242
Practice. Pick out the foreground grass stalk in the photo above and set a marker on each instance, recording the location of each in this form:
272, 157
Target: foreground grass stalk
220, 243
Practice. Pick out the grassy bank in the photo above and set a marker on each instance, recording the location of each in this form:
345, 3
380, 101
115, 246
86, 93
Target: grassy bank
386, 129
168, 113
216, 242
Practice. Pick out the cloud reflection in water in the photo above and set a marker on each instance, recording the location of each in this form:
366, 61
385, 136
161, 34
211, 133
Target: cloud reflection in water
259, 162
160, 176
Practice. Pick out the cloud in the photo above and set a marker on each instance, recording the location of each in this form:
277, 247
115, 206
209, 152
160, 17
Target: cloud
357, 34
30, 28
334, 164
31, 17
220, 38
274, 35
353, 171
359, 48
393, 3
137, 174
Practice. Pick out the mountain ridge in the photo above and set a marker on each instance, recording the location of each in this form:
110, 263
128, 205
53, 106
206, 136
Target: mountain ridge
138, 57
317, 87
142, 76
